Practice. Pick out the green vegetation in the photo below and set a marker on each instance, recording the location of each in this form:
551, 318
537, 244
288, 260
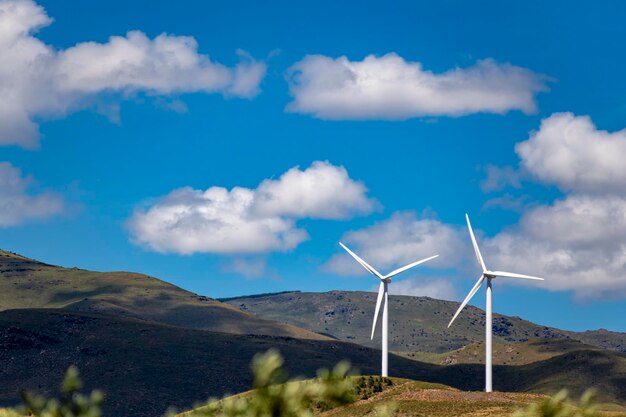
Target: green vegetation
561, 406
406, 398
367, 387
70, 402
274, 396
333, 393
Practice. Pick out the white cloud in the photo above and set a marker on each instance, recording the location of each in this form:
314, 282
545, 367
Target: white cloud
244, 220
17, 205
508, 202
441, 289
572, 153
313, 193
250, 267
500, 177
38, 81
578, 242
403, 238
391, 88
216, 220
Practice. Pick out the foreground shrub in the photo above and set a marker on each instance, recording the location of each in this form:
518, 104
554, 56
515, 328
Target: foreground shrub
560, 405
70, 403
274, 396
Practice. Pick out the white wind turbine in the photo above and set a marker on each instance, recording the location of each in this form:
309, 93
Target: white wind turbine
488, 276
383, 295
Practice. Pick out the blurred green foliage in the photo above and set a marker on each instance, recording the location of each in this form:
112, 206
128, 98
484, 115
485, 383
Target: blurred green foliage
367, 387
275, 396
560, 405
70, 403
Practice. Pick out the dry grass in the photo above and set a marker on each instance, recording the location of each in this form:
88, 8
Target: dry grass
27, 283
521, 353
418, 399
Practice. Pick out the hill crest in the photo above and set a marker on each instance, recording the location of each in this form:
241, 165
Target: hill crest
417, 323
28, 283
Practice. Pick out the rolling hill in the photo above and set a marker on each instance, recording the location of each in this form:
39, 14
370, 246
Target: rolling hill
27, 283
417, 399
173, 366
520, 353
174, 347
417, 324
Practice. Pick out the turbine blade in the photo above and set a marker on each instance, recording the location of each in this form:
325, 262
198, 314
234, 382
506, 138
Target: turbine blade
362, 262
468, 298
404, 268
514, 275
476, 250
381, 291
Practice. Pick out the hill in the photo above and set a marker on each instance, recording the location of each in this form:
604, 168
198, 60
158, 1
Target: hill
27, 283
520, 353
416, 324
168, 365
417, 399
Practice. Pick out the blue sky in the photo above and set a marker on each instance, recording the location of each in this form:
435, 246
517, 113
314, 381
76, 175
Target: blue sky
405, 142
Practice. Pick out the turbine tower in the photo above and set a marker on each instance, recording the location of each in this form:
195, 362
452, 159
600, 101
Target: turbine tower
486, 275
383, 299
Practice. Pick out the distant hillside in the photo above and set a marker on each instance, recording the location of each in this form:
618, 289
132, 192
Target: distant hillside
417, 324
27, 283
168, 365
520, 353
602, 337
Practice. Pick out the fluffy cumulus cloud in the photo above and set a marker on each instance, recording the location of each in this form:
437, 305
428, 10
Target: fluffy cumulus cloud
403, 238
313, 193
572, 153
38, 81
578, 242
243, 220
18, 205
392, 88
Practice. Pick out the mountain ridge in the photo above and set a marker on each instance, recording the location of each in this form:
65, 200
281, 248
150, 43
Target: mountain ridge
417, 323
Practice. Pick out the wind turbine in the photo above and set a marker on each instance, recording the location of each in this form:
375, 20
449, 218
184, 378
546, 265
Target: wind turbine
383, 298
488, 276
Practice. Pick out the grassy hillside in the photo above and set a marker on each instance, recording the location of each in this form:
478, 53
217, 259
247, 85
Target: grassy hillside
164, 365
168, 365
27, 283
415, 323
602, 337
520, 353
420, 399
